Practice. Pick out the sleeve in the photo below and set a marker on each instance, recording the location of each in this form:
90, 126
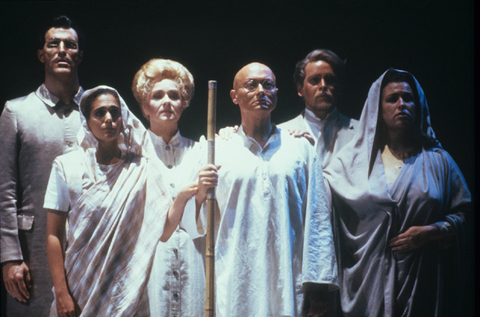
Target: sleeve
319, 259
10, 244
56, 195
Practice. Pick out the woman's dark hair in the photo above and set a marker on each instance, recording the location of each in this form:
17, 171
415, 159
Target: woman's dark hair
86, 105
62, 22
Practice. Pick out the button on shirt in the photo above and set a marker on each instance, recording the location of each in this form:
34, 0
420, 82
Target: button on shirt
177, 281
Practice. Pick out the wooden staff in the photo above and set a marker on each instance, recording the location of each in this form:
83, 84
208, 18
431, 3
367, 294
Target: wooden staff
210, 249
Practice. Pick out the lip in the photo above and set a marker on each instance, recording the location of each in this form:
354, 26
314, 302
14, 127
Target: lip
403, 115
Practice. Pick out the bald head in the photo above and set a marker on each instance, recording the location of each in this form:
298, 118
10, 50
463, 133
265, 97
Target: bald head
254, 89
250, 69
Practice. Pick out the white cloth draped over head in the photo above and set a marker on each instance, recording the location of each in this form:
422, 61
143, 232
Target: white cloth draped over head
115, 222
429, 189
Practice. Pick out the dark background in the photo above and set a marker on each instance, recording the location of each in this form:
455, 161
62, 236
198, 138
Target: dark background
433, 39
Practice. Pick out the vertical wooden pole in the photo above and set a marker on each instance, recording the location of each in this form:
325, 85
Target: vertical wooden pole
210, 239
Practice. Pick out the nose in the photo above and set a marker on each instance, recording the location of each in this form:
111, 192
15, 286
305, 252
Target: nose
108, 117
322, 84
260, 89
61, 46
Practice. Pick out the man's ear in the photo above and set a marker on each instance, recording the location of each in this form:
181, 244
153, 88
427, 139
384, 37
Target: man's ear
41, 56
233, 95
80, 57
300, 90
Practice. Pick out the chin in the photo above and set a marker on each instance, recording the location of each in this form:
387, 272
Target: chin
324, 106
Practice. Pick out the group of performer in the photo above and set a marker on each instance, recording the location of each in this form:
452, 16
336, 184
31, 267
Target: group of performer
322, 215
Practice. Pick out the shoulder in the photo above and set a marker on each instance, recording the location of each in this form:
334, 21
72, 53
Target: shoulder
71, 160
290, 142
347, 122
20, 102
295, 123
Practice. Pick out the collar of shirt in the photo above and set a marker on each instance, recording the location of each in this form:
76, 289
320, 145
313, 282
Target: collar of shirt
317, 125
50, 99
253, 145
158, 140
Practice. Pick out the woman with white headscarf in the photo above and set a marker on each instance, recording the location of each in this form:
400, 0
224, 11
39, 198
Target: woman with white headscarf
109, 199
399, 202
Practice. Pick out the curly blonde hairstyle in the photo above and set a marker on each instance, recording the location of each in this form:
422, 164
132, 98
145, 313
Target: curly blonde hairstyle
156, 70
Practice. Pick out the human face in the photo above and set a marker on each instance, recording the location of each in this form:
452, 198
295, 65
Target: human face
398, 106
254, 89
165, 104
318, 88
60, 53
105, 120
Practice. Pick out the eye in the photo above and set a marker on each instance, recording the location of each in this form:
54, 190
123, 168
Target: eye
174, 95
408, 98
52, 44
158, 95
269, 85
115, 113
330, 80
100, 112
70, 44
314, 80
251, 85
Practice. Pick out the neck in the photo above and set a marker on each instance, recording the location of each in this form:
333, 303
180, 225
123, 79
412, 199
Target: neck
62, 87
257, 128
108, 153
165, 130
400, 143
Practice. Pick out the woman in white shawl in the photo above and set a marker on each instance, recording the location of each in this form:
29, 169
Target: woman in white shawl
111, 196
399, 201
163, 89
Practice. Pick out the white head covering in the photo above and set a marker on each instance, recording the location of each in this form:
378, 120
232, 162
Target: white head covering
133, 137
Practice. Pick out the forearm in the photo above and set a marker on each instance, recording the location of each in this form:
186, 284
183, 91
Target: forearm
174, 215
56, 263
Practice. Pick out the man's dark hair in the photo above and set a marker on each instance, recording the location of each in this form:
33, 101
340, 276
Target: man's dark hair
337, 64
62, 22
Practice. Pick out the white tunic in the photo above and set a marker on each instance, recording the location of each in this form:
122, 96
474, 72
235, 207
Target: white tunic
177, 281
274, 232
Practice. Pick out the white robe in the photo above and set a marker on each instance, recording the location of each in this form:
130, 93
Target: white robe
274, 231
177, 282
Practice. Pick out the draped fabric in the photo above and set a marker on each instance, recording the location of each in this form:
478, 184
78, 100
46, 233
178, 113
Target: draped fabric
116, 220
429, 189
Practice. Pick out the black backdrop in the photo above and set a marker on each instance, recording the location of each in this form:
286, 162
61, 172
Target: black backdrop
433, 39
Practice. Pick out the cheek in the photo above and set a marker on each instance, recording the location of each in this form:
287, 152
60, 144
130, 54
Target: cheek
178, 107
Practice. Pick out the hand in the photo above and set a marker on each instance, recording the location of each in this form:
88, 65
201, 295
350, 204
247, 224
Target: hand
66, 307
227, 132
305, 134
316, 303
414, 238
188, 191
16, 277
207, 178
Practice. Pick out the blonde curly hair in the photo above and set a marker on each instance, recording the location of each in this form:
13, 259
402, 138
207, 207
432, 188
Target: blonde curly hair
156, 70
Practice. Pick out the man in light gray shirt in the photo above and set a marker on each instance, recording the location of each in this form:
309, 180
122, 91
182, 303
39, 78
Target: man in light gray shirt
35, 129
318, 78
